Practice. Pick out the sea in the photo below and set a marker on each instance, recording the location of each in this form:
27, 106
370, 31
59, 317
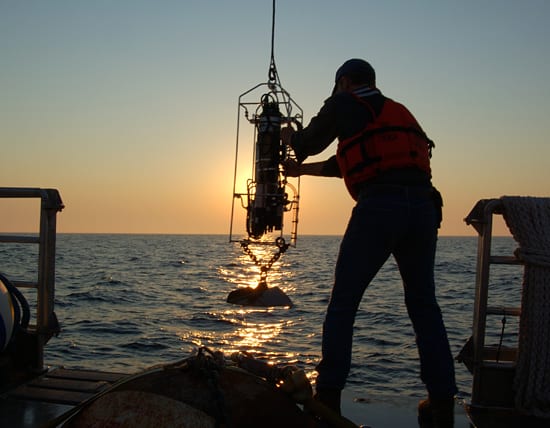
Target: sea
128, 302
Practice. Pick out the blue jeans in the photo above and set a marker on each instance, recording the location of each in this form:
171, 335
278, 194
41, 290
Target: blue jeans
402, 221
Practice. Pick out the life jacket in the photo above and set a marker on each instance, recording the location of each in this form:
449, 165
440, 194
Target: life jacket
392, 140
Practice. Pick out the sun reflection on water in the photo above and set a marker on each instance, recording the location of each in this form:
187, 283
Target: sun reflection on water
244, 330
245, 272
255, 330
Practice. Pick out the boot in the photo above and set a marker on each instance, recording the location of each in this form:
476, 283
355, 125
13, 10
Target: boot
436, 413
330, 398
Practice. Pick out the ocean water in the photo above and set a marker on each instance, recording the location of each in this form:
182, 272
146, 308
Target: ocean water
127, 302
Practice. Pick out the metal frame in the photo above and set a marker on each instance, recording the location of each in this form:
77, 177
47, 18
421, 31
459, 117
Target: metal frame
492, 376
46, 320
283, 98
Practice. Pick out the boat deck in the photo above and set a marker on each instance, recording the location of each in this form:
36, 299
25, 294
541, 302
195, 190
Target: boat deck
40, 401
43, 399
389, 413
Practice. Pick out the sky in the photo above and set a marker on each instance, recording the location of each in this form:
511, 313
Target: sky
129, 108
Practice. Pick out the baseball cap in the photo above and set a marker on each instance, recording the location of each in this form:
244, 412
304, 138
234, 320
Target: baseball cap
355, 66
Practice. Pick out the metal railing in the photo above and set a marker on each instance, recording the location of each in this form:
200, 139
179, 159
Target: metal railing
46, 320
493, 368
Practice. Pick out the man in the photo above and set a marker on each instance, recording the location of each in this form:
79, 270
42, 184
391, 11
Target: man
384, 157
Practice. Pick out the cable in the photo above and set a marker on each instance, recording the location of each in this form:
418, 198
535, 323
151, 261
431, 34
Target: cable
21, 307
272, 75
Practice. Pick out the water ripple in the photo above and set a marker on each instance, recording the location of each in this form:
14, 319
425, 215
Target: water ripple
129, 301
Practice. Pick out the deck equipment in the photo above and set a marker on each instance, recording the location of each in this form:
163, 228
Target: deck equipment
269, 194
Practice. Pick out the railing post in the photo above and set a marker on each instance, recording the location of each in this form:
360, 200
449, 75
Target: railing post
46, 323
482, 290
30, 351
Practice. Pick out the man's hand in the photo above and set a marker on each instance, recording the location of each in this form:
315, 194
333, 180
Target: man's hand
292, 168
286, 135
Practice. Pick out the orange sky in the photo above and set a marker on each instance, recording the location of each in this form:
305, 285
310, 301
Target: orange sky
130, 109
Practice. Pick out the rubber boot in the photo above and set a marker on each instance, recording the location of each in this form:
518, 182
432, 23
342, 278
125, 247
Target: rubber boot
436, 413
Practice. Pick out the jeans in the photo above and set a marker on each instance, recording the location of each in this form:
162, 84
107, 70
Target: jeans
402, 221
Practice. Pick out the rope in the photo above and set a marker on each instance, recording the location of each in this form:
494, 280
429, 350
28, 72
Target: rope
528, 219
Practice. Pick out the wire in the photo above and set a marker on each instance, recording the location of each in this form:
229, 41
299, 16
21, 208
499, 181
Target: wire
21, 307
497, 358
273, 77
273, 31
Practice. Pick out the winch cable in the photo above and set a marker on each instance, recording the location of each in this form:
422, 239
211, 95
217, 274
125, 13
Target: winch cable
272, 74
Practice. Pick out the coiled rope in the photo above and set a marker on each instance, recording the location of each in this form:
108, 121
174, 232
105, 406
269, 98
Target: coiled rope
528, 219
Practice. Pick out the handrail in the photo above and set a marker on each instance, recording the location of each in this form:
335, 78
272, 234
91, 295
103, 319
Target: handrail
51, 204
481, 219
19, 239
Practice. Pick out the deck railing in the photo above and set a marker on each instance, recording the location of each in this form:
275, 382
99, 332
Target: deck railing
46, 323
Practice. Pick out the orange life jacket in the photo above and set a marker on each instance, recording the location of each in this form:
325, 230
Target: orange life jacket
394, 139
